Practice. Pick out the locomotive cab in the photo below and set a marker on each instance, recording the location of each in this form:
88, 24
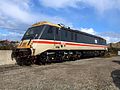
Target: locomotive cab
29, 47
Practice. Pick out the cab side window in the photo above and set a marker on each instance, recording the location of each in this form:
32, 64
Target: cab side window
48, 33
56, 30
71, 35
57, 33
75, 36
50, 29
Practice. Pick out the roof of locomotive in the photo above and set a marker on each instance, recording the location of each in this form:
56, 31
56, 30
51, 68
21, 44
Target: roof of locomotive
59, 26
77, 31
45, 23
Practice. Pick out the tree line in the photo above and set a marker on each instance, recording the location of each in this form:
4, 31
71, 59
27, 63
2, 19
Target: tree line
8, 45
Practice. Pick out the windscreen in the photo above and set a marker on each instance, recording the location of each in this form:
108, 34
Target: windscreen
33, 33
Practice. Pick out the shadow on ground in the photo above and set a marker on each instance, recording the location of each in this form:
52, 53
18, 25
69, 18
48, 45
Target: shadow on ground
116, 61
116, 75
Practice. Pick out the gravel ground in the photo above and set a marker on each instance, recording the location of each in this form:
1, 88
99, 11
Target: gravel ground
84, 74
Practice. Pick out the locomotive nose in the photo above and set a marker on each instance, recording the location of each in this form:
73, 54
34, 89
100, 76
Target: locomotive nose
18, 53
25, 44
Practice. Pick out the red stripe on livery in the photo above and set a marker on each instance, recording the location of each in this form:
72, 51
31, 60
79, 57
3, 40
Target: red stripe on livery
66, 43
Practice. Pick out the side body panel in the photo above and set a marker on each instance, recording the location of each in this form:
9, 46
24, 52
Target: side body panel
44, 45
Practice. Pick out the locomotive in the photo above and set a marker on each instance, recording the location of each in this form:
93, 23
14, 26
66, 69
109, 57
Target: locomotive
45, 42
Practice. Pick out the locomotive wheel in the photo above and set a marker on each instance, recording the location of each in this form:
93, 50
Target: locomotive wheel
28, 62
19, 61
24, 61
41, 59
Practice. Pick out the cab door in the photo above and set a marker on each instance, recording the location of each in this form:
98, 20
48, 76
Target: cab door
59, 44
57, 38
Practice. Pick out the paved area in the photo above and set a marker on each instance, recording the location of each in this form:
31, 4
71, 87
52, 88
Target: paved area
84, 74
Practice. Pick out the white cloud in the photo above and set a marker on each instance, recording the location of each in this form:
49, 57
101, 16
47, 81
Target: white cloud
108, 39
14, 11
100, 5
17, 14
59, 3
21, 12
3, 35
5, 22
111, 36
24, 4
111, 40
10, 36
88, 30
103, 5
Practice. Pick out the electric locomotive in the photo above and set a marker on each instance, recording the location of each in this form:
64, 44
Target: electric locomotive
45, 42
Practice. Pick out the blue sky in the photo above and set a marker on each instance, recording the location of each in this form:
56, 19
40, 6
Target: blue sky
98, 17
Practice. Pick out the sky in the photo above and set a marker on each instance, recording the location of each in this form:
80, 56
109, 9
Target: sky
97, 17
